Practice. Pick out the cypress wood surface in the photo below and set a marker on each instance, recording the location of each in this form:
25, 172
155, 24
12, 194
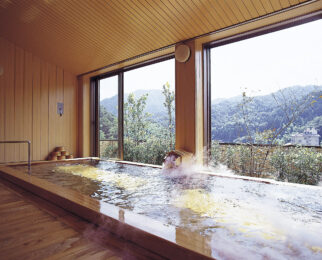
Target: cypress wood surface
112, 31
29, 91
152, 235
32, 228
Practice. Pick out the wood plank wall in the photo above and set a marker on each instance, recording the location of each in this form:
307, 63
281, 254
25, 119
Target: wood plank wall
84, 120
186, 102
29, 91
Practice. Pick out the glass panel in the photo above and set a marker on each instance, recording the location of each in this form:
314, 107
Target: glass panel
149, 112
266, 112
108, 116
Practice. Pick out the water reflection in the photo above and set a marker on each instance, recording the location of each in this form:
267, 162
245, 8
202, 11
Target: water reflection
206, 212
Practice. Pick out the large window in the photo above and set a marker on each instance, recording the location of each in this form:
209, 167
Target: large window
137, 113
266, 105
108, 117
149, 116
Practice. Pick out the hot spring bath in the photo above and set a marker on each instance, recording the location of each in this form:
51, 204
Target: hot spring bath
215, 216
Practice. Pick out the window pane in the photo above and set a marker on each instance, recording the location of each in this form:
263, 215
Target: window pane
149, 112
266, 111
108, 128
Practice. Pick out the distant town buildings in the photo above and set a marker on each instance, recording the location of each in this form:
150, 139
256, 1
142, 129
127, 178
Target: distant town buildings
310, 137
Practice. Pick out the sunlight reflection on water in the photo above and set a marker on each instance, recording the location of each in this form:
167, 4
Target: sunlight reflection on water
284, 220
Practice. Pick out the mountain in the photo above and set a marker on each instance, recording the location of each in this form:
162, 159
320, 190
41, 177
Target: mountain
265, 112
293, 90
110, 104
154, 104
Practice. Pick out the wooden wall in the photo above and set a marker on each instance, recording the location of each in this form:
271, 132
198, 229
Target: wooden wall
84, 104
189, 84
186, 103
84, 117
29, 91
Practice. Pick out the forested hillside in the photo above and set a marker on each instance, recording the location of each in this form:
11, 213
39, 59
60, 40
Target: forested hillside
231, 117
153, 106
227, 122
149, 121
149, 131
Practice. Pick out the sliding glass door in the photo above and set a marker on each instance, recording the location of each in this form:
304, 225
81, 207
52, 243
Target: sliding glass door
108, 117
139, 124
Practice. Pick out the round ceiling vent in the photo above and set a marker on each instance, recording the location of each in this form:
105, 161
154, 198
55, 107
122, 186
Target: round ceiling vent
182, 53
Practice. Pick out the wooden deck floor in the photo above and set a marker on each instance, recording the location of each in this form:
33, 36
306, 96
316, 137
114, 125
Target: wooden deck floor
32, 228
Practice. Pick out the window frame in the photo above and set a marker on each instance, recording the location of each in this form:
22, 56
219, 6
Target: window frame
95, 101
206, 47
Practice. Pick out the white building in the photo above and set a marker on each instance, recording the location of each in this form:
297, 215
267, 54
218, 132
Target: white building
310, 137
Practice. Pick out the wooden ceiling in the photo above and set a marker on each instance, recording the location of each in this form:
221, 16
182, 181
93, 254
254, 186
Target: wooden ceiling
84, 35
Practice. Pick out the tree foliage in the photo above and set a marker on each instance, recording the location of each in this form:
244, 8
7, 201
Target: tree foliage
285, 111
257, 153
136, 121
169, 105
108, 123
299, 165
146, 139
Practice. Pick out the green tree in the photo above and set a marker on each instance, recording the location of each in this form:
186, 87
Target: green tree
299, 165
253, 157
135, 118
169, 105
108, 124
146, 139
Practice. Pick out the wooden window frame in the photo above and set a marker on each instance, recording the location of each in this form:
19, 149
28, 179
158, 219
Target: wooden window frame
206, 47
95, 100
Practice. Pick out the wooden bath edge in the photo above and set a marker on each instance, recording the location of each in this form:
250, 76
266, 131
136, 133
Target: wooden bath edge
196, 170
147, 233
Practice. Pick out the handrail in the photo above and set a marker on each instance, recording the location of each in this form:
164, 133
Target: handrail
21, 142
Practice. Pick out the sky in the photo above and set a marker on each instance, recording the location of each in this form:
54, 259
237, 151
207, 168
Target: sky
266, 63
149, 77
259, 65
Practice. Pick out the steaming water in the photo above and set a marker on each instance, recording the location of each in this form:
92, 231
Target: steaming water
239, 218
